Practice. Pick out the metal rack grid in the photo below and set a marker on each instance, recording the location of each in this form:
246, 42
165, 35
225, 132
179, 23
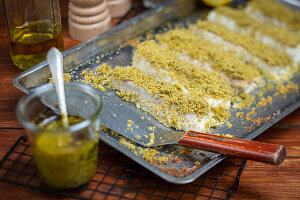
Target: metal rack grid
118, 177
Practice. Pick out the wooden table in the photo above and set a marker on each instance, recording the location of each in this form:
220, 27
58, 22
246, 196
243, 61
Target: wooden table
258, 181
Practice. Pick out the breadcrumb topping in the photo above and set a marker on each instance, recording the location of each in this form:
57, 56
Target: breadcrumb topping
275, 9
285, 89
171, 95
241, 18
184, 41
272, 56
210, 84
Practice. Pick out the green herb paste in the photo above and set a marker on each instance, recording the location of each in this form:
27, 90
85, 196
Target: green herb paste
65, 160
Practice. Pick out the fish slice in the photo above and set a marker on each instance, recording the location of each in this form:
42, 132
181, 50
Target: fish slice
125, 119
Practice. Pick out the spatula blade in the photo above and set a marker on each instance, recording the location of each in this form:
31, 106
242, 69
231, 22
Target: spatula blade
133, 123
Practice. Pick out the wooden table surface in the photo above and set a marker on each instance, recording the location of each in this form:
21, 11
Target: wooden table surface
258, 181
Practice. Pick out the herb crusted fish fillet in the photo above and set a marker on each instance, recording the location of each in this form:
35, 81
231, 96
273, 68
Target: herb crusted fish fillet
164, 65
168, 104
271, 11
205, 54
274, 64
279, 38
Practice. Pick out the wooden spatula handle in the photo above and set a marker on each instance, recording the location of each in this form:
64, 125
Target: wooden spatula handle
239, 148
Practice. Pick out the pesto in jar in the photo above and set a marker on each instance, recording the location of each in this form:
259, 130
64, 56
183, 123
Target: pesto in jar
65, 160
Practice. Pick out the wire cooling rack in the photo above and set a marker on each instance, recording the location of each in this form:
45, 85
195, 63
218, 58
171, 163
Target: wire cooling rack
118, 177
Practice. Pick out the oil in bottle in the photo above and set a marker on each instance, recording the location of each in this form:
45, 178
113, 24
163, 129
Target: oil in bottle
30, 43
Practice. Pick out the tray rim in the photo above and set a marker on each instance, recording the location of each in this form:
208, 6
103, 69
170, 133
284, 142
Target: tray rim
115, 144
292, 3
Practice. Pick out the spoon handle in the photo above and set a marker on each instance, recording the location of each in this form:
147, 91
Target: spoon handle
55, 61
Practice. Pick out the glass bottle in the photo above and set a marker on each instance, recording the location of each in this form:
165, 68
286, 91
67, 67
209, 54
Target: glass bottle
34, 26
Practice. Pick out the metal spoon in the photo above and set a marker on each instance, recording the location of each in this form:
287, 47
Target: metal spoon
55, 61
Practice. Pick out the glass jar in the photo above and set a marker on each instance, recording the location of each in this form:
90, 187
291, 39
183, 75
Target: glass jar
65, 157
34, 26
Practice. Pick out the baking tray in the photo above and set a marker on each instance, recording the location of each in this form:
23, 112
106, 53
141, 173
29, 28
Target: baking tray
114, 48
292, 3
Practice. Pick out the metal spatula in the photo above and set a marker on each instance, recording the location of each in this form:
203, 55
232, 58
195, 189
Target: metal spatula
125, 119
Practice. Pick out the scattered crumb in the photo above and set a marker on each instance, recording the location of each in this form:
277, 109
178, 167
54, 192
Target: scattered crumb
285, 89
128, 144
252, 112
246, 100
103, 128
67, 78
197, 163
185, 151
152, 137
268, 118
264, 101
224, 135
239, 115
151, 128
270, 86
229, 124
148, 155
258, 121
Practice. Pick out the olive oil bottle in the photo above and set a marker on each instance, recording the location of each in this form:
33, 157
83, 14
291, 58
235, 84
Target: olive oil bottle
34, 26
30, 42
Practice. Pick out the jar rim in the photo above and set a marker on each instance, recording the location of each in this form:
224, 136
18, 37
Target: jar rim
21, 106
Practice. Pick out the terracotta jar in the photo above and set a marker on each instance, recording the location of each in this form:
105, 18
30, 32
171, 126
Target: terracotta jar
88, 18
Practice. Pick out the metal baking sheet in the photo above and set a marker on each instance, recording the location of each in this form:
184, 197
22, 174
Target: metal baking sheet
114, 48
295, 4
